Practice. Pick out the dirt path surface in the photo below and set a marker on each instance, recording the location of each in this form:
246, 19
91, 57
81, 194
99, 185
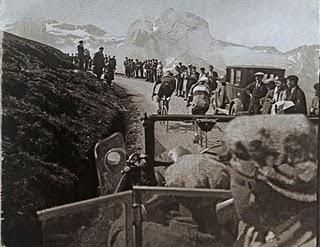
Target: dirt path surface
179, 133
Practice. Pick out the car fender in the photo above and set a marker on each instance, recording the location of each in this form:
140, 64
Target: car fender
238, 104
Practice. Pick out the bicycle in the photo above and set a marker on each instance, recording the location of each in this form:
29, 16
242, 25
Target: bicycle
204, 126
164, 106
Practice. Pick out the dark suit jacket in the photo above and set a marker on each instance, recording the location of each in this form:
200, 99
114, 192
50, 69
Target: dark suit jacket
80, 51
299, 99
98, 60
214, 74
257, 93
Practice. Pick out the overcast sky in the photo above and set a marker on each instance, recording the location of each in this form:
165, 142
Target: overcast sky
285, 24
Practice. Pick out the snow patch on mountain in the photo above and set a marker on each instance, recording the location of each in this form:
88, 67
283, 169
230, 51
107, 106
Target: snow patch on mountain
64, 36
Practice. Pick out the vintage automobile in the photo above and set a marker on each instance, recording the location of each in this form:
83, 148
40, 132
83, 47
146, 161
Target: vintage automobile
120, 219
133, 177
231, 97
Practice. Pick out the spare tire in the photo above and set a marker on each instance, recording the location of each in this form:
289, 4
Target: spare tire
221, 96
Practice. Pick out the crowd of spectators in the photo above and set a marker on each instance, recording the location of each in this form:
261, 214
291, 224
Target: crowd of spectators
150, 69
100, 63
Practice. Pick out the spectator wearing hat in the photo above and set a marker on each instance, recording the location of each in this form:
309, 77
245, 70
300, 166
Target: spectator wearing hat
81, 55
98, 63
296, 95
87, 58
268, 100
203, 72
314, 109
136, 68
273, 180
126, 65
147, 67
280, 92
193, 77
213, 76
132, 68
179, 87
141, 64
159, 70
257, 90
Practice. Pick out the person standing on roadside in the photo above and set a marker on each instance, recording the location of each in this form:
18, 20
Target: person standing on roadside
159, 70
179, 69
141, 69
126, 65
136, 68
86, 59
81, 55
132, 68
154, 70
212, 76
314, 109
98, 63
296, 95
257, 90
203, 72
147, 67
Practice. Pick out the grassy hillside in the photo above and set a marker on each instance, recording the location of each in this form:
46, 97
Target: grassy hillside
52, 118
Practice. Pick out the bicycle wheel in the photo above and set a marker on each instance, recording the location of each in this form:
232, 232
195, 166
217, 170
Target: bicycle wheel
200, 138
164, 111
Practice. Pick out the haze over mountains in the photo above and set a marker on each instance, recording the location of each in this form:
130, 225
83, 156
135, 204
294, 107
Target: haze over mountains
174, 36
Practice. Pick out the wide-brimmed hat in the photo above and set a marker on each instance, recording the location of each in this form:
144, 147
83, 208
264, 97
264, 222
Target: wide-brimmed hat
258, 74
264, 149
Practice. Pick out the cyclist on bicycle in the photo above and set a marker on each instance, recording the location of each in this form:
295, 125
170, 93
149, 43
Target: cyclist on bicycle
166, 88
200, 97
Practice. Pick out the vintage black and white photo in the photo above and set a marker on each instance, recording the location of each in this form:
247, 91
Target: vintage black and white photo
130, 123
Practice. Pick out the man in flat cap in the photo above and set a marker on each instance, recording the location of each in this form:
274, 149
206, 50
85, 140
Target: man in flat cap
296, 95
273, 170
257, 90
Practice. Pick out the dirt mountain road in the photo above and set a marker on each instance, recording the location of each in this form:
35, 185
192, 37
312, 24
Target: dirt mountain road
179, 133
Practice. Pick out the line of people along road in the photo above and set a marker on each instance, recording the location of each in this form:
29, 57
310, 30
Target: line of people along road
149, 69
100, 64
266, 96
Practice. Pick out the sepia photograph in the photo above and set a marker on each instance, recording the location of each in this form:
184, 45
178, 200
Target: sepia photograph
158, 123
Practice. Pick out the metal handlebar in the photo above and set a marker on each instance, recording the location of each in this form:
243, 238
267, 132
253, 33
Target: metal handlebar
134, 161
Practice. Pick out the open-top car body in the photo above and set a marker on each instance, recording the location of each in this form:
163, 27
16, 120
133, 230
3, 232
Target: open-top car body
231, 97
126, 217
93, 222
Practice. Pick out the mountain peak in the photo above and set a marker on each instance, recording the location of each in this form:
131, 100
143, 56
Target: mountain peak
170, 17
